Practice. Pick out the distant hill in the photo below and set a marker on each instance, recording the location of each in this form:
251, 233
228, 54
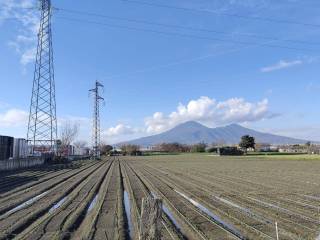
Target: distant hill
193, 132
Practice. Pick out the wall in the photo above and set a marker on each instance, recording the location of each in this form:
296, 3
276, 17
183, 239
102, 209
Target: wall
13, 164
6, 147
20, 148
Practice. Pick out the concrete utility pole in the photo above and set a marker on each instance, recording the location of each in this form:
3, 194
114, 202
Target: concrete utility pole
42, 126
96, 120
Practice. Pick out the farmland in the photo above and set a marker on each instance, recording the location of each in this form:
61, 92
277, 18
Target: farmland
204, 197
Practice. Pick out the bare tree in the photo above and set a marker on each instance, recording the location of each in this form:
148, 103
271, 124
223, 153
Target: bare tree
68, 133
130, 149
80, 144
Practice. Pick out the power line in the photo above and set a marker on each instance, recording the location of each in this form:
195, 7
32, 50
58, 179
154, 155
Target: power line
183, 34
179, 62
225, 14
171, 64
13, 18
283, 21
16, 7
171, 25
176, 33
181, 27
158, 66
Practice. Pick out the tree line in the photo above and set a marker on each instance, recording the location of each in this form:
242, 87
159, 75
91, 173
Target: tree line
134, 150
180, 148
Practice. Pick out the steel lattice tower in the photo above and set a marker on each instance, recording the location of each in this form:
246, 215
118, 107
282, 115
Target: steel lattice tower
42, 126
96, 120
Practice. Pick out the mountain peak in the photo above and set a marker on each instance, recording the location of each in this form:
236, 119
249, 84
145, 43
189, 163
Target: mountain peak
190, 124
195, 124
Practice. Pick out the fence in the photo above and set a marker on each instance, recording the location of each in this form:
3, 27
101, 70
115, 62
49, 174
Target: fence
13, 164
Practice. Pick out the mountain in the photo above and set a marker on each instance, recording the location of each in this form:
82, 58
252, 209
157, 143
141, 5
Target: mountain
193, 132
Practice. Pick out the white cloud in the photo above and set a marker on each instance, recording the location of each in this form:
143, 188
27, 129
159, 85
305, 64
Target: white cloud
209, 112
14, 121
28, 56
13, 118
17, 117
282, 64
25, 42
118, 130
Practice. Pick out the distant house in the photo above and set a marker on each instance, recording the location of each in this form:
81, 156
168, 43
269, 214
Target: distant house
314, 149
263, 147
81, 151
266, 147
67, 150
293, 149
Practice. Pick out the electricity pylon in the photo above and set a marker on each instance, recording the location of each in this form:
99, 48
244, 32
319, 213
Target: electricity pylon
96, 120
42, 126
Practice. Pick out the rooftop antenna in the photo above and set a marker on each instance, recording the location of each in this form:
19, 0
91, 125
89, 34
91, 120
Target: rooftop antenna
42, 125
96, 120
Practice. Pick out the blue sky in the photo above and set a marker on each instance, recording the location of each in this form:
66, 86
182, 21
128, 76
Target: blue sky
261, 71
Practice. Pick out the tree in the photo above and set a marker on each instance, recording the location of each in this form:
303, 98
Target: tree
308, 146
213, 149
247, 142
130, 149
200, 147
172, 148
105, 149
80, 144
68, 133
